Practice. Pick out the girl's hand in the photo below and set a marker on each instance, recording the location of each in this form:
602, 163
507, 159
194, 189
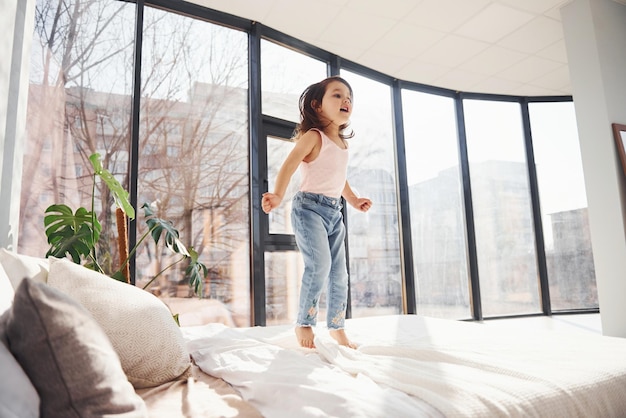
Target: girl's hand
363, 204
270, 201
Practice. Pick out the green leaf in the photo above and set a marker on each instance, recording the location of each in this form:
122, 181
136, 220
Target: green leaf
73, 234
196, 272
119, 276
159, 227
120, 195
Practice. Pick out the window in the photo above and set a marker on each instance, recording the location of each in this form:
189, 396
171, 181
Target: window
375, 276
285, 75
195, 150
505, 242
67, 106
437, 216
569, 258
193, 102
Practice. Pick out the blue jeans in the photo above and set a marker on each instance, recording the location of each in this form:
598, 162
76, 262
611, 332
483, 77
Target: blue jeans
318, 225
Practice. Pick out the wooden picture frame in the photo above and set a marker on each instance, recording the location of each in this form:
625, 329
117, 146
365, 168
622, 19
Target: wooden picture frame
619, 132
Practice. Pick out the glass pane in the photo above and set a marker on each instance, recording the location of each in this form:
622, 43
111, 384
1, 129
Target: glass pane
373, 237
193, 164
502, 210
277, 151
284, 76
437, 216
79, 103
283, 277
563, 198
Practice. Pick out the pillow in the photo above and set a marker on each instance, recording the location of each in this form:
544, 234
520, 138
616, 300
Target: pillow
141, 328
6, 291
17, 266
18, 397
67, 356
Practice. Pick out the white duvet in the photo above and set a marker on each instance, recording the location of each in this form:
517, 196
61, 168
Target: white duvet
411, 366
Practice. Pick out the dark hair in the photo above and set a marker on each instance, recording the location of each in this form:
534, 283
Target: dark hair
309, 100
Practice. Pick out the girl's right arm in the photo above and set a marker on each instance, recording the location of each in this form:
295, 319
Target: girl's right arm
303, 148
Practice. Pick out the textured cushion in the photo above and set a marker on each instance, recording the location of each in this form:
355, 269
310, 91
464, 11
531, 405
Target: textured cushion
17, 266
141, 328
67, 356
18, 397
6, 291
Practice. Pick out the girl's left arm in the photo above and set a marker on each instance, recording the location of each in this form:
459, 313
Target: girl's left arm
359, 203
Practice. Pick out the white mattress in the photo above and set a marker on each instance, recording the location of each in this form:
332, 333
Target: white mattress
411, 366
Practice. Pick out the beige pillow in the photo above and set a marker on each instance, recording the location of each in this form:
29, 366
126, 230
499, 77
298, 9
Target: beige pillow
67, 356
141, 328
17, 266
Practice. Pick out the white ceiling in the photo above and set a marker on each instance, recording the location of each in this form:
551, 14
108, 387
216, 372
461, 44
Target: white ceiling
511, 47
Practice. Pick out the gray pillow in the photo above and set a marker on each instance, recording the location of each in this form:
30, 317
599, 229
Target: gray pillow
67, 356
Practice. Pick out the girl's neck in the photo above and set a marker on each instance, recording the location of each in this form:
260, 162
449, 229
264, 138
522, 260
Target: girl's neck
332, 132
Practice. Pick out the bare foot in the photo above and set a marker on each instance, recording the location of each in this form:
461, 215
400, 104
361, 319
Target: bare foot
340, 336
305, 336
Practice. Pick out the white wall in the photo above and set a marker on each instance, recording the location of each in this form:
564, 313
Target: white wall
16, 21
595, 38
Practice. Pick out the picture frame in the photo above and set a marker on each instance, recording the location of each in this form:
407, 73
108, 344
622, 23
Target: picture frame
619, 132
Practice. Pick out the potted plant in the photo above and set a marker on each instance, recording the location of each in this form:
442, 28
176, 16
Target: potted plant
74, 234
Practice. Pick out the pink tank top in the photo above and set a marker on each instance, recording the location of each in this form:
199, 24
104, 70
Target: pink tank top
327, 173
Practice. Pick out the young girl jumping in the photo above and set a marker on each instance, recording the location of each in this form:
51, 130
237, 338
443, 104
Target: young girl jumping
321, 150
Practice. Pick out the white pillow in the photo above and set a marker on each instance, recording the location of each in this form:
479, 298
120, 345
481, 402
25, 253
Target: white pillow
17, 266
6, 291
18, 397
141, 328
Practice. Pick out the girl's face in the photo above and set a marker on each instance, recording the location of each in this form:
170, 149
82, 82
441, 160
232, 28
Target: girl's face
336, 103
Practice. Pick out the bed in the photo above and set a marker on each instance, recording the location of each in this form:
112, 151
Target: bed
411, 365
72, 339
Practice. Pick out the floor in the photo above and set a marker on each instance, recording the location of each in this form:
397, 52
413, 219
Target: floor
577, 323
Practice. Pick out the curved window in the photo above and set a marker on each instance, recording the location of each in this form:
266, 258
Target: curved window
197, 146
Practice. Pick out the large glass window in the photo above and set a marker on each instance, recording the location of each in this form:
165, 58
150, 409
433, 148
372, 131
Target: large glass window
194, 159
508, 277
437, 221
373, 237
563, 199
79, 103
193, 163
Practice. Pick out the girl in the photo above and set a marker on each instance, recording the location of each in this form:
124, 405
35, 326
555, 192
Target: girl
321, 151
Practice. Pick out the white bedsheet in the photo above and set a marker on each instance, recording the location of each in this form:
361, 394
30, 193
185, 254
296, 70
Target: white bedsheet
411, 366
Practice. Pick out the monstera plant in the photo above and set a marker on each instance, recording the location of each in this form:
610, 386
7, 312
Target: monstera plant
74, 234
